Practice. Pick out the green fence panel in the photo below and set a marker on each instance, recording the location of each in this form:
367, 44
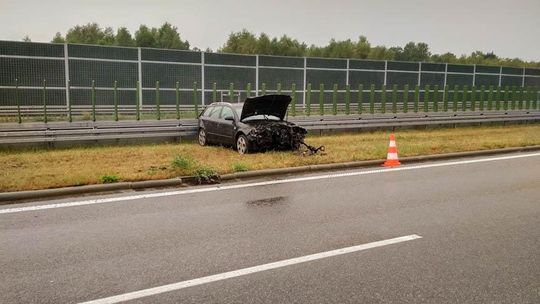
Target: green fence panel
195, 99
18, 101
498, 98
506, 97
347, 99
406, 98
416, 98
436, 98
473, 98
137, 106
490, 98
445, 98
455, 99
394, 98
321, 99
426, 98
383, 99
44, 96
482, 96
360, 98
372, 99
334, 99
308, 100
177, 99
158, 110
115, 100
93, 97
231, 92
465, 98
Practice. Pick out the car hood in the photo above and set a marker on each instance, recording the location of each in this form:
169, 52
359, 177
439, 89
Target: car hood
275, 105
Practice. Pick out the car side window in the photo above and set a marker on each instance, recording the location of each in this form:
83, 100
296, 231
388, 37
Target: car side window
215, 112
226, 112
207, 111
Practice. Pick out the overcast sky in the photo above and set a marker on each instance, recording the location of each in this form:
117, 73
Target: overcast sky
510, 28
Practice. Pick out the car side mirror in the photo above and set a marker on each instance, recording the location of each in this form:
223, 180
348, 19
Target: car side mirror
231, 118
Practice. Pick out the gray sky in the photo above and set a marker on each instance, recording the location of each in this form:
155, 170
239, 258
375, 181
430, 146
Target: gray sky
510, 28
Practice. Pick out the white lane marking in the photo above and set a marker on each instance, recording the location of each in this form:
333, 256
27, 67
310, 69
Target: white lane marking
265, 183
245, 271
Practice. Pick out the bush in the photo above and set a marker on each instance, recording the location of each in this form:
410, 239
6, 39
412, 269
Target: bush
207, 175
107, 179
181, 162
240, 167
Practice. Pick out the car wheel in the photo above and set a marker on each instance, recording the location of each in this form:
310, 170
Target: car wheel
202, 137
242, 144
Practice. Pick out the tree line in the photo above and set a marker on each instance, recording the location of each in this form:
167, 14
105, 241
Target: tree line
245, 42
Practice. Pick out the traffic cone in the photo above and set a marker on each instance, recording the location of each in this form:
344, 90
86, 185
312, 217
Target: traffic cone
392, 157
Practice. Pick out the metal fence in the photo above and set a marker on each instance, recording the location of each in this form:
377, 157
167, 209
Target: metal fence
66, 76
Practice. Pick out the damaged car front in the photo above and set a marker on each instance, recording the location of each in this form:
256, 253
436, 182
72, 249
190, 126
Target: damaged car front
258, 124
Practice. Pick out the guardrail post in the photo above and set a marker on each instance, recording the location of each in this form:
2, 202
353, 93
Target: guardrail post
482, 97
231, 92
115, 100
506, 97
416, 98
321, 99
263, 88
394, 98
436, 98
347, 99
68, 90
498, 97
456, 98
334, 99
383, 99
360, 98
17, 101
177, 99
293, 101
248, 90
473, 98
372, 99
426, 98
308, 100
464, 98
406, 98
445, 98
93, 97
278, 89
214, 92
158, 112
195, 101
490, 98
137, 104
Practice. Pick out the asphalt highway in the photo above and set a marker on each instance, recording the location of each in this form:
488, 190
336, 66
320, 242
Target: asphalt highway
475, 227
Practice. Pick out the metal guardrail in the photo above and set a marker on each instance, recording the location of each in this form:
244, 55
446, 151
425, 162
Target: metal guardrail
14, 134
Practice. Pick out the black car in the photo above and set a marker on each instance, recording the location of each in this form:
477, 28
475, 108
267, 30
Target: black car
256, 125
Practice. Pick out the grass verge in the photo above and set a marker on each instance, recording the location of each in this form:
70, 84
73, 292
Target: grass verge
41, 168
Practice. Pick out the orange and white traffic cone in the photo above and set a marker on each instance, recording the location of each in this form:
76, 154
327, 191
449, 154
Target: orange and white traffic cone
392, 157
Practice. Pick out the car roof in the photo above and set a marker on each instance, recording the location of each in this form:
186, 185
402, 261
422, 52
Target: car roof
234, 105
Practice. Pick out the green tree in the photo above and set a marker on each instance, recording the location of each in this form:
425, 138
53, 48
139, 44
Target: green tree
123, 37
167, 37
242, 42
26, 38
362, 48
145, 37
58, 38
414, 52
90, 33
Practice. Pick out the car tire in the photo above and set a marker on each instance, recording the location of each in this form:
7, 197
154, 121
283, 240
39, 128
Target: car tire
201, 136
242, 144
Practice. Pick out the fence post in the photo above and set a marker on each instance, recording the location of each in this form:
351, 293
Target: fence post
137, 103
308, 100
17, 101
426, 98
263, 88
394, 98
214, 92
278, 89
490, 98
158, 112
383, 98
115, 100
456, 98
44, 100
231, 92
347, 99
248, 90
528, 98
334, 99
482, 96
93, 97
498, 97
436, 98
68, 90
177, 99
293, 99
406, 98
520, 98
506, 97
416, 98
513, 98
464, 98
360, 98
195, 101
473, 98
321, 99
445, 98
372, 99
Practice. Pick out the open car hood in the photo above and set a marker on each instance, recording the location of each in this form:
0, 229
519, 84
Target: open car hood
275, 105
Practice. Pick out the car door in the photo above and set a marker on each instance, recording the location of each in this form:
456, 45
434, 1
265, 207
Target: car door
226, 128
210, 123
